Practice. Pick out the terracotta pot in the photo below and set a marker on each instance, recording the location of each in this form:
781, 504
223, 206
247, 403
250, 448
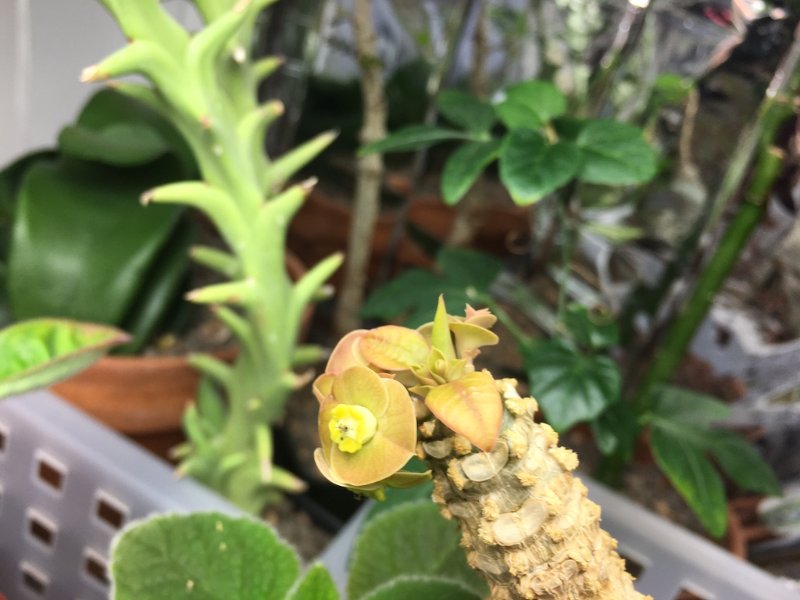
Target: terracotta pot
145, 396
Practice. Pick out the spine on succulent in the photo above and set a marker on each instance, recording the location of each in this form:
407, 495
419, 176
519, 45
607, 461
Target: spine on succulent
240, 293
213, 367
526, 522
265, 67
308, 287
217, 260
253, 127
214, 202
146, 19
287, 165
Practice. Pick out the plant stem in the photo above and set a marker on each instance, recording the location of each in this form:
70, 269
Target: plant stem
366, 205
733, 242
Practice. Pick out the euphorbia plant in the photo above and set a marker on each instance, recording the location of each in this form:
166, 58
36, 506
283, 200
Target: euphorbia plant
526, 522
205, 84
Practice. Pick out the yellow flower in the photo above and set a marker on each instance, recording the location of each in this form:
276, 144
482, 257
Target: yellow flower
351, 426
367, 428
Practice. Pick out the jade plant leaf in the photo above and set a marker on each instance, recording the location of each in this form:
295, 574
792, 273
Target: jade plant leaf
531, 168
679, 452
470, 406
464, 167
316, 584
413, 138
615, 153
204, 555
40, 352
422, 588
461, 275
570, 387
82, 246
465, 110
412, 539
531, 104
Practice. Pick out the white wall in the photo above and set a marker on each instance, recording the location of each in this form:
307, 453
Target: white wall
44, 45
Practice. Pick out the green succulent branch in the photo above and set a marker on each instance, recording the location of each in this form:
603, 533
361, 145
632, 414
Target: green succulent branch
205, 83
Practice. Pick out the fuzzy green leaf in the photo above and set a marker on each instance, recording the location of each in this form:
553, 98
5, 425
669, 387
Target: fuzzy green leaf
40, 352
678, 454
531, 168
316, 584
531, 104
465, 110
569, 386
422, 588
413, 138
202, 555
615, 153
464, 167
742, 463
410, 540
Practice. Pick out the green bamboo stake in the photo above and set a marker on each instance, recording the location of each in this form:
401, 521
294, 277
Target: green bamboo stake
733, 242
206, 83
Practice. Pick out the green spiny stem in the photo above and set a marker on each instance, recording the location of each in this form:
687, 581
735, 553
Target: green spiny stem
733, 242
206, 85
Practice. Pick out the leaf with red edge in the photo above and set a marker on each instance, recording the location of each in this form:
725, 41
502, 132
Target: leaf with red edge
470, 406
345, 354
393, 348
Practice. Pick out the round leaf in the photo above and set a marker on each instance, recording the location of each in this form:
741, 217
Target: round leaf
531, 168
615, 153
569, 386
202, 555
531, 104
412, 539
465, 110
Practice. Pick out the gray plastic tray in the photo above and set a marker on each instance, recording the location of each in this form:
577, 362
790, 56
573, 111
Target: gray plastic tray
67, 485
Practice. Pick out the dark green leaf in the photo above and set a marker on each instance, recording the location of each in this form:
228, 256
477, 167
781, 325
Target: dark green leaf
413, 138
465, 110
679, 405
531, 168
40, 352
615, 431
468, 268
464, 167
569, 386
684, 462
121, 144
401, 295
531, 104
615, 153
222, 557
422, 588
591, 328
742, 463
82, 244
410, 540
568, 128
315, 585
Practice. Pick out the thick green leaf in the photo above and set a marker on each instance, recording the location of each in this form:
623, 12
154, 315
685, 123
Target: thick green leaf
615, 153
464, 167
679, 405
83, 246
591, 328
685, 464
120, 144
410, 540
413, 138
316, 584
531, 168
465, 110
531, 104
742, 463
615, 431
40, 352
202, 555
422, 588
569, 386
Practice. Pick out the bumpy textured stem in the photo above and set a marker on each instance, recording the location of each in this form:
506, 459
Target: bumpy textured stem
526, 522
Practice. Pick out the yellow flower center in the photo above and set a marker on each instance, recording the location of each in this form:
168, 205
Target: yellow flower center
351, 426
